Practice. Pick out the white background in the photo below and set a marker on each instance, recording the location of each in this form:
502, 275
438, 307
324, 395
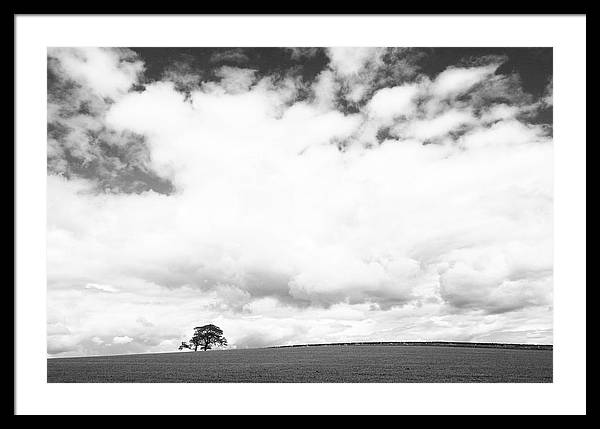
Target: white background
566, 34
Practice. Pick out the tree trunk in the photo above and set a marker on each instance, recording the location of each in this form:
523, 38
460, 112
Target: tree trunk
196, 347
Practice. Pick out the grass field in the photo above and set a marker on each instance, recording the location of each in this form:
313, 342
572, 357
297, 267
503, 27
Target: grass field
331, 364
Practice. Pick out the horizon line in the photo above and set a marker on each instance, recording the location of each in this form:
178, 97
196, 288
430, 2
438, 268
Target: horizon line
473, 344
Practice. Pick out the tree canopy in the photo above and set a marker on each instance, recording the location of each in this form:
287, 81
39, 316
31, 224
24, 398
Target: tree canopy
205, 337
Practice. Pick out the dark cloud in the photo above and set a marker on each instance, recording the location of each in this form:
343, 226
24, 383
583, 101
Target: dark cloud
301, 54
183, 74
203, 61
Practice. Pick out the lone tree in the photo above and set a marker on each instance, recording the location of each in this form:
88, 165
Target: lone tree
205, 337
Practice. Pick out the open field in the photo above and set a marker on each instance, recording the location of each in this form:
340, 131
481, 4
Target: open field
314, 364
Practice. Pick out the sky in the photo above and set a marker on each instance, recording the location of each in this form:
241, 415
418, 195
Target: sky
298, 195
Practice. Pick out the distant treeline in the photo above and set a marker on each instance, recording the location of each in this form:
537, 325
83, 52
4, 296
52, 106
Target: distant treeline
431, 343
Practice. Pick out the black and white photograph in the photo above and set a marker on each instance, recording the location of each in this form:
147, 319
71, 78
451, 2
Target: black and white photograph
293, 215
300, 214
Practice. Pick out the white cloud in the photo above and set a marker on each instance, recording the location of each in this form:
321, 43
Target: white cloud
110, 73
438, 126
325, 88
500, 112
97, 340
122, 340
388, 103
277, 236
234, 79
509, 133
455, 81
350, 61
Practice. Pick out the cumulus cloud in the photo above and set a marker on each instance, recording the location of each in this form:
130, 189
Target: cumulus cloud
290, 220
235, 80
456, 81
438, 126
352, 60
389, 103
97, 340
110, 72
122, 340
82, 85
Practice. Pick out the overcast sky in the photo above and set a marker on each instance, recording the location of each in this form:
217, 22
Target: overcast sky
298, 196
